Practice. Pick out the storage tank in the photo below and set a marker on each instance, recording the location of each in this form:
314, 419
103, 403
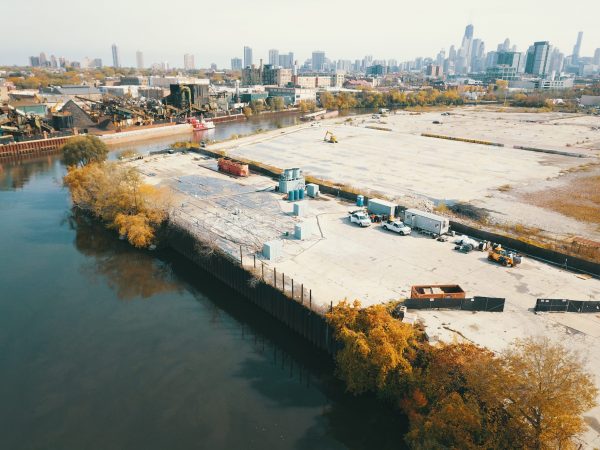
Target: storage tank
300, 194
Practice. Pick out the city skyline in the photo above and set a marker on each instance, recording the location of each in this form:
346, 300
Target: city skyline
398, 39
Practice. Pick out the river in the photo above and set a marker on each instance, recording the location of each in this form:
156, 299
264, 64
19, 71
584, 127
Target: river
106, 347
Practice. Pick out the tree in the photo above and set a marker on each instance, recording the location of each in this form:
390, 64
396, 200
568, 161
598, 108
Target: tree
547, 391
376, 347
82, 150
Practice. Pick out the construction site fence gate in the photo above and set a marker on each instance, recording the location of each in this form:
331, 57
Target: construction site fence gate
490, 304
565, 305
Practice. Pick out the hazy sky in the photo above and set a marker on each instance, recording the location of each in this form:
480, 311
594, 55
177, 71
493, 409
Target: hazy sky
216, 31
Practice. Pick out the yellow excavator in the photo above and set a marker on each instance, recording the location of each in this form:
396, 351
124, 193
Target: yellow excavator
329, 137
501, 256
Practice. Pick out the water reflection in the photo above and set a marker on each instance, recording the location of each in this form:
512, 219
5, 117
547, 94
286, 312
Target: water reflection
131, 273
14, 174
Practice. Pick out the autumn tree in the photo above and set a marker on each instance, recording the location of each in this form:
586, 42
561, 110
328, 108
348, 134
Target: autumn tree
82, 150
547, 390
377, 348
116, 195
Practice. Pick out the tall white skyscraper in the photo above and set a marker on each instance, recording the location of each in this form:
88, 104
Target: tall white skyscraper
115, 55
139, 59
247, 56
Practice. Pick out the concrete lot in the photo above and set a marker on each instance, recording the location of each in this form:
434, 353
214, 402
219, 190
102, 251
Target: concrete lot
401, 163
341, 260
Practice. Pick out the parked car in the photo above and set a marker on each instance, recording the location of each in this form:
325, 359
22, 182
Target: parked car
360, 218
397, 227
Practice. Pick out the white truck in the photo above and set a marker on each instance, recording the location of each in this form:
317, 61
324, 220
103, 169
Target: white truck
360, 218
426, 222
397, 227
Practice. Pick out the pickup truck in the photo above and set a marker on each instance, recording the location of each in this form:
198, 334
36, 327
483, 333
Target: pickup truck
360, 218
397, 227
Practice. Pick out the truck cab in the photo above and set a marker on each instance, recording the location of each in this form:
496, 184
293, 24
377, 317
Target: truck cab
397, 226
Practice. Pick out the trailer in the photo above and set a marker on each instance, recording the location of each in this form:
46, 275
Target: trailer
382, 207
426, 222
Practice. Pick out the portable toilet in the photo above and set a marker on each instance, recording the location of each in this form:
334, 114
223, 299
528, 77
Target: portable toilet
360, 200
300, 209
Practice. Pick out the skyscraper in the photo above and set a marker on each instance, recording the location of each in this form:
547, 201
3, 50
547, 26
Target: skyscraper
236, 63
577, 48
188, 61
274, 57
318, 61
139, 59
115, 55
537, 58
247, 56
464, 54
43, 60
597, 57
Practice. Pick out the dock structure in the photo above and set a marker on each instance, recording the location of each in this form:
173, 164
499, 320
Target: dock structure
38, 147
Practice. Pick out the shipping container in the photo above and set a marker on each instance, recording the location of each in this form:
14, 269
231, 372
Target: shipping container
382, 207
233, 167
431, 223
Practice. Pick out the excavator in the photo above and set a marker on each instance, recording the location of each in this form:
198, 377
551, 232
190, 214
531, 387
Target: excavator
329, 137
504, 257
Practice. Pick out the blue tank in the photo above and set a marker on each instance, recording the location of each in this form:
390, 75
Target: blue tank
300, 194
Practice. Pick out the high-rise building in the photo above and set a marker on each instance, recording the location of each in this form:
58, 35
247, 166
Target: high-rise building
537, 58
274, 57
236, 63
53, 61
506, 58
96, 63
318, 61
115, 56
464, 53
188, 61
139, 59
577, 48
247, 57
477, 55
597, 57
34, 61
43, 60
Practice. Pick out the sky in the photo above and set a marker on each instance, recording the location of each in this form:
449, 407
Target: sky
216, 31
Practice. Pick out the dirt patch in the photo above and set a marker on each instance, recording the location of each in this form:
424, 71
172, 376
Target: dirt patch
579, 199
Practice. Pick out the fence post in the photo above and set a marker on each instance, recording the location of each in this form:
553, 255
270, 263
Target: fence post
241, 257
255, 260
310, 298
283, 281
275, 276
263, 270
302, 295
292, 288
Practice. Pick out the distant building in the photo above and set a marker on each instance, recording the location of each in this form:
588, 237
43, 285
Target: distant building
318, 61
377, 69
34, 61
577, 48
286, 60
293, 95
96, 63
597, 57
501, 72
139, 59
188, 61
274, 57
115, 56
537, 58
435, 71
506, 58
43, 60
247, 57
236, 64
251, 75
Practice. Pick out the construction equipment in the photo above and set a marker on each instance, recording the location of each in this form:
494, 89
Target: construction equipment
329, 137
504, 257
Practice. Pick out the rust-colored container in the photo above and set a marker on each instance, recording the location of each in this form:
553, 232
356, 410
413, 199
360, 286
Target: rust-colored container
233, 167
437, 291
